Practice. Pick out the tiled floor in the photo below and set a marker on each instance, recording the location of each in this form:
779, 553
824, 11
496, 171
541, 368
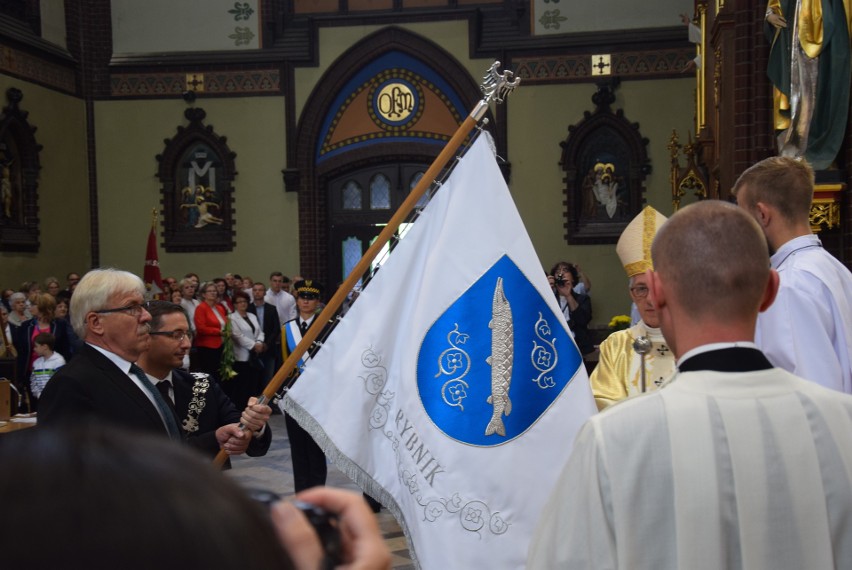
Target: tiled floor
274, 472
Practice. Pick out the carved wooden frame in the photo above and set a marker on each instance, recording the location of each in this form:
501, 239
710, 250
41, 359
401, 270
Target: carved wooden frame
19, 231
180, 233
607, 138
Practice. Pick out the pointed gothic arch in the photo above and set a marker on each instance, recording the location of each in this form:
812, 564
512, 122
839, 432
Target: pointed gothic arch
341, 130
197, 173
19, 168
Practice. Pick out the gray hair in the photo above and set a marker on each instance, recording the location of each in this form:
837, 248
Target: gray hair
94, 290
16, 296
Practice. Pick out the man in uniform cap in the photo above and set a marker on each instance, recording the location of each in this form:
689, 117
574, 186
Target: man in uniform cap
626, 356
309, 464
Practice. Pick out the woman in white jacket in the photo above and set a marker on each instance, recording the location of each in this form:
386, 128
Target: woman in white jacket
247, 335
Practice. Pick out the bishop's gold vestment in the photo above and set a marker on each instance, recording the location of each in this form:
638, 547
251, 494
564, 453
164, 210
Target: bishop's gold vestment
618, 373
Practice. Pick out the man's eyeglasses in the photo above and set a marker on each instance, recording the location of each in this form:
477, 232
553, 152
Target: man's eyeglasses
133, 309
175, 335
640, 291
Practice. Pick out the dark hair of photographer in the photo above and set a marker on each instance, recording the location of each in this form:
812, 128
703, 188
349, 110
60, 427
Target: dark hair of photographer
563, 266
577, 307
87, 497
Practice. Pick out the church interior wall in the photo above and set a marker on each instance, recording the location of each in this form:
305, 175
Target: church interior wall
538, 120
451, 36
63, 191
129, 136
130, 133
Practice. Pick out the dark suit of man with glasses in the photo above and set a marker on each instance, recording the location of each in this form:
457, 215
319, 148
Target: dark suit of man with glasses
104, 384
208, 419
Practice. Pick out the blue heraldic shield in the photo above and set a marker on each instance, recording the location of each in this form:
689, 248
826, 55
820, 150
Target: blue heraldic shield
495, 360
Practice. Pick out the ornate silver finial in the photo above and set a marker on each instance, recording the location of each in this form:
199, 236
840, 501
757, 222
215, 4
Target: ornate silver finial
495, 86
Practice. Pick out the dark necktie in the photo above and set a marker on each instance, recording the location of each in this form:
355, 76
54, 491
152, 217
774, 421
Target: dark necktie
168, 416
303, 326
163, 386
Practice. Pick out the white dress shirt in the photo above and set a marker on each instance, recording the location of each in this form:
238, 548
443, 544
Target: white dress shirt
284, 302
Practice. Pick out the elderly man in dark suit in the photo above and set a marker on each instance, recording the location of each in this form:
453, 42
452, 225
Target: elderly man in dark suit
208, 419
267, 314
102, 382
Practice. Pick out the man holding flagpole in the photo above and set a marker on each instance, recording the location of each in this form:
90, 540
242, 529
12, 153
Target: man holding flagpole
457, 386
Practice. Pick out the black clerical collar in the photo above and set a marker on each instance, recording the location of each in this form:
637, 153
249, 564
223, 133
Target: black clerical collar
732, 359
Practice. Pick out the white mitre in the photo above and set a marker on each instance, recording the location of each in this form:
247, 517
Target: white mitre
634, 245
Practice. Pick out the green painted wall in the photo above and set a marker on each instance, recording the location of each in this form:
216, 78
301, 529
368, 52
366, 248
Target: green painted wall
129, 136
539, 117
63, 197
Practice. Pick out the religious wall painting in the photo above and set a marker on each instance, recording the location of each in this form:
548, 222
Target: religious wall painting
605, 163
604, 192
19, 167
197, 171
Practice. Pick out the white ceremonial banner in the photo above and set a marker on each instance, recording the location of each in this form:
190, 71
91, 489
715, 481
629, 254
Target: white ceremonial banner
452, 390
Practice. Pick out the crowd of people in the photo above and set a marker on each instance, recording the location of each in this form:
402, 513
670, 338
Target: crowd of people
229, 314
726, 440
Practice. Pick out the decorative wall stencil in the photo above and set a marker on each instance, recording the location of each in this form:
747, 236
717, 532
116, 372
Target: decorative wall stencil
33, 68
19, 167
396, 98
241, 11
158, 26
572, 16
169, 84
642, 64
551, 20
605, 162
197, 172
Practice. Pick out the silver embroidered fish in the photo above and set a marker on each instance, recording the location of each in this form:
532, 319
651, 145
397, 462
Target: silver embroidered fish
502, 351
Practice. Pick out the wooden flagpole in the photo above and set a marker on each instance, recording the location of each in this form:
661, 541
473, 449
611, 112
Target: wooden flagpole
495, 88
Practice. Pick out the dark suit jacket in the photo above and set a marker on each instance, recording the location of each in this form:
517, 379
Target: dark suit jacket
271, 328
218, 411
91, 388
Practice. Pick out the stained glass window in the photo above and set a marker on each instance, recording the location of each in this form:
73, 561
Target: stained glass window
380, 193
351, 254
424, 199
352, 199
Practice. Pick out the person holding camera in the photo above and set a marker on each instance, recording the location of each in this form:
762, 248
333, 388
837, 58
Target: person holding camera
112, 498
571, 293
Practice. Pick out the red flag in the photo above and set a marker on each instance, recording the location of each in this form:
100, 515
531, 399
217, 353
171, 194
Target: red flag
151, 276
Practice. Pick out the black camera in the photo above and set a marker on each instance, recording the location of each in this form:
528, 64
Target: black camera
559, 279
326, 525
